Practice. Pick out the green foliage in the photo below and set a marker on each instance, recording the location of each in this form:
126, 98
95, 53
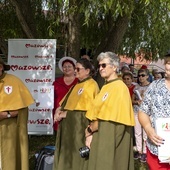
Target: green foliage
149, 22
149, 28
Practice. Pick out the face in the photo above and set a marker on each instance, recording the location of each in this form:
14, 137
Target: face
81, 72
131, 68
167, 70
127, 80
68, 69
143, 77
107, 70
157, 76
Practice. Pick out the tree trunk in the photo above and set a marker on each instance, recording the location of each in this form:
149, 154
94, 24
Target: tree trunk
4, 47
112, 40
114, 35
74, 33
25, 17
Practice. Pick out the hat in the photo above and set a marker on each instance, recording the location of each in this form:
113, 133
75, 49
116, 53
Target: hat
143, 67
125, 67
60, 63
6, 67
168, 54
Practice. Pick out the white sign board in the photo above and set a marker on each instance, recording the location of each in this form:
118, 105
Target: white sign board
33, 61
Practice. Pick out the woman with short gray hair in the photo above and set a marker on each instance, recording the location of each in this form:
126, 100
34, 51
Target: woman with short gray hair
109, 135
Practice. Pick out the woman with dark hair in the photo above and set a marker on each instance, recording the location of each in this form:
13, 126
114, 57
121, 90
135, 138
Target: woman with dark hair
70, 135
137, 97
64, 83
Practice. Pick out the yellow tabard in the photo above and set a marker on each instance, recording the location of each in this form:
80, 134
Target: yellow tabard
14, 94
81, 96
113, 103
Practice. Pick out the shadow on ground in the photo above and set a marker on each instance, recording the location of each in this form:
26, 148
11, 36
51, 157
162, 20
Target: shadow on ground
38, 142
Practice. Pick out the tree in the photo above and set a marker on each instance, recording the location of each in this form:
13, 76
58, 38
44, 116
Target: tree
112, 25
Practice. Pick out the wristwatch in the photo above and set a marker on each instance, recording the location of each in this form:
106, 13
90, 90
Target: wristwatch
89, 130
8, 114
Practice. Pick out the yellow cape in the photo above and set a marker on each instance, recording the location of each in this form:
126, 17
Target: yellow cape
113, 103
14, 94
81, 96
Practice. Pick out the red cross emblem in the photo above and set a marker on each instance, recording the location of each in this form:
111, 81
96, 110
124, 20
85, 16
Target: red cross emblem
8, 89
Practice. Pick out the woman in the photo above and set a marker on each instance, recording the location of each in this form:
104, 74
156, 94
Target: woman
70, 135
112, 142
65, 82
140, 135
14, 101
155, 106
128, 80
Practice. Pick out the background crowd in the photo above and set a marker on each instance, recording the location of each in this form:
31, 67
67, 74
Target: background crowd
118, 118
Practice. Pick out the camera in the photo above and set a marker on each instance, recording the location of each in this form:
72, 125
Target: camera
84, 152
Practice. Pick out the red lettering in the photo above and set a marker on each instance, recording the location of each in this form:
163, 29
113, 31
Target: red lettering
32, 121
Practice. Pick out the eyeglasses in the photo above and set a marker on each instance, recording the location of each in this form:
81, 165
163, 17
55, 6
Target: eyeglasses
78, 69
141, 75
103, 65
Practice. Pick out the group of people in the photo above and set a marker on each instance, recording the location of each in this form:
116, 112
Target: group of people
89, 117
148, 100
101, 121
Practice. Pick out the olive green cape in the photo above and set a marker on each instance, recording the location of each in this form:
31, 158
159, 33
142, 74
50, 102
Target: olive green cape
14, 142
111, 147
70, 137
14, 95
71, 132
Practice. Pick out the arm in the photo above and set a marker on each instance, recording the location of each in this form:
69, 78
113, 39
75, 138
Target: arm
150, 131
134, 101
91, 128
8, 114
59, 115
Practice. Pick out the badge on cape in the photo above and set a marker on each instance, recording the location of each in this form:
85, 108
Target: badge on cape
8, 89
80, 91
105, 96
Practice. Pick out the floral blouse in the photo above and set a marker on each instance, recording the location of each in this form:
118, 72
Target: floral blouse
156, 104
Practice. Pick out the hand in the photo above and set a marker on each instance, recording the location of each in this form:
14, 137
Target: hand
94, 125
88, 141
63, 114
3, 115
57, 115
14, 113
87, 133
139, 102
157, 140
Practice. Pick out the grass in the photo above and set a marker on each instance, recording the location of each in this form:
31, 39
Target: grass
38, 142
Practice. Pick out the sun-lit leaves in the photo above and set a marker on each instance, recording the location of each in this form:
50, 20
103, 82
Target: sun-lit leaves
148, 26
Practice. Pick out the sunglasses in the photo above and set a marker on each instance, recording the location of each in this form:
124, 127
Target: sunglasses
78, 69
103, 65
141, 75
